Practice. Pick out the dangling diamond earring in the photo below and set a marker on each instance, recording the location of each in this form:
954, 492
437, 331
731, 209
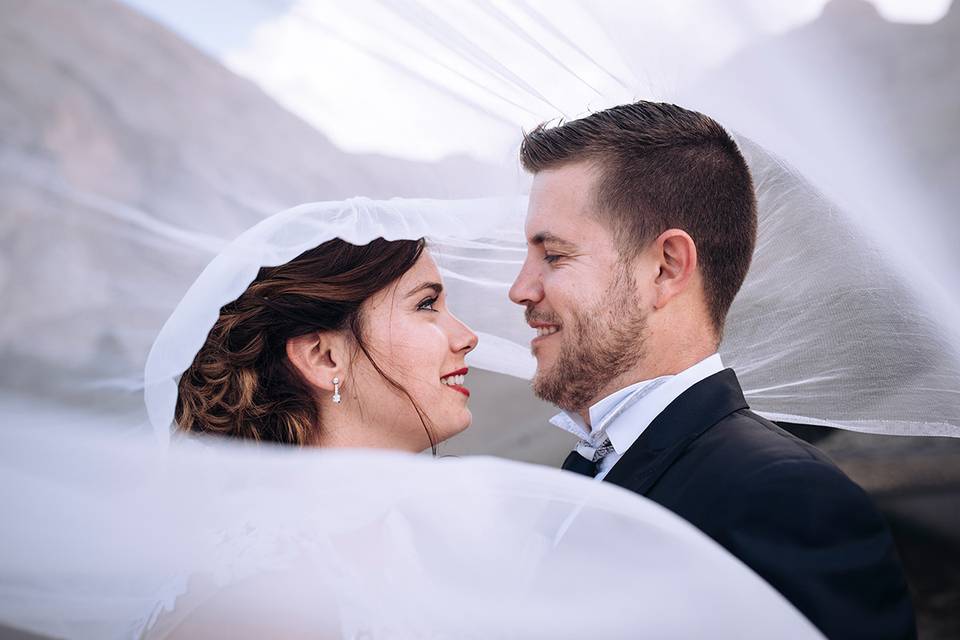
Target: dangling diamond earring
336, 391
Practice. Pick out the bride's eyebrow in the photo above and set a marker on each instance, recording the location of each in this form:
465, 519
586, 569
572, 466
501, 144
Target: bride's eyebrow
436, 286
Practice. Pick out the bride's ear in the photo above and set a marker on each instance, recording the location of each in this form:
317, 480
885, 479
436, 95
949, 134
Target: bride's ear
319, 357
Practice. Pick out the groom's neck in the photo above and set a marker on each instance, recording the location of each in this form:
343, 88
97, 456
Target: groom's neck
666, 360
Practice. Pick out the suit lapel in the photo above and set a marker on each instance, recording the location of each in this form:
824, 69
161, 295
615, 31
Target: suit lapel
668, 436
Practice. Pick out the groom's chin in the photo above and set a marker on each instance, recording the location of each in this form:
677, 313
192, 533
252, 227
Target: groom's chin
546, 357
537, 378
543, 356
542, 382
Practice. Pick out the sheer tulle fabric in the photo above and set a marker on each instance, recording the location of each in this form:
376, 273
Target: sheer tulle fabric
106, 534
825, 330
230, 540
116, 535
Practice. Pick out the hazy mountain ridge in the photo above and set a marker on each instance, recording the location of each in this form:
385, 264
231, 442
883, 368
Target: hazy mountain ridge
912, 66
111, 124
852, 80
106, 85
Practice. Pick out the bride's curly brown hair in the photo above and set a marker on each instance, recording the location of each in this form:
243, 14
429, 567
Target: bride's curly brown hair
242, 384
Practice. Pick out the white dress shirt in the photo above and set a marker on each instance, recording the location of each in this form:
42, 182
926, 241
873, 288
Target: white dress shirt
625, 414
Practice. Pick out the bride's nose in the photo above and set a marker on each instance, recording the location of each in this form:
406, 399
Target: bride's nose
462, 338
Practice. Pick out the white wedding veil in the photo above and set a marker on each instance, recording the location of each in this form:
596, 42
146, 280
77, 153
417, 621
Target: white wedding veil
227, 540
825, 331
109, 533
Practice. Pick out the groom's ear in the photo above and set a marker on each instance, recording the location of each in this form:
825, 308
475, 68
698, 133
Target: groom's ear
319, 357
676, 254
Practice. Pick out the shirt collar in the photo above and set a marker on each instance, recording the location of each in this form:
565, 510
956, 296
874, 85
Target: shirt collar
624, 414
573, 422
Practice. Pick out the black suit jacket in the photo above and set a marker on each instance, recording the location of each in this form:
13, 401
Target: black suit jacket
778, 504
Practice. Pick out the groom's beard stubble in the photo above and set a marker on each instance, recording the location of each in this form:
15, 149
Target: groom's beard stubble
596, 346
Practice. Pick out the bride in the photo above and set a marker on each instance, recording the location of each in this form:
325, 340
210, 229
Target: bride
343, 346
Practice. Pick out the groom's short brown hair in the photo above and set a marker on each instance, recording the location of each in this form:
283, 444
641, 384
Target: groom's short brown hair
663, 167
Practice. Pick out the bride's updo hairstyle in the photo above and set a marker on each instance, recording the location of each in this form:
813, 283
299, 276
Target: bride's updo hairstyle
241, 383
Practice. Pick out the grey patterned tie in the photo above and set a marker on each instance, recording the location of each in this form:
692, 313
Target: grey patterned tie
577, 463
601, 451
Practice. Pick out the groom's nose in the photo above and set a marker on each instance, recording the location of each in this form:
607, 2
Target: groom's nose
527, 288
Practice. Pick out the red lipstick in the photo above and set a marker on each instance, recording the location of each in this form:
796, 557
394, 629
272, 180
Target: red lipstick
457, 387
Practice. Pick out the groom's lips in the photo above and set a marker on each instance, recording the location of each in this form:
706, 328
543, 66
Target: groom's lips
543, 325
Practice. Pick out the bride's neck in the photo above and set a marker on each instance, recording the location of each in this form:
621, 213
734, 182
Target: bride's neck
347, 431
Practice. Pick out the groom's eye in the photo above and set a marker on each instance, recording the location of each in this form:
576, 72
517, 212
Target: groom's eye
550, 258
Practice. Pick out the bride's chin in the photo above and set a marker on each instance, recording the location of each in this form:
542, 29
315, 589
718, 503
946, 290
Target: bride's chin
466, 423
454, 428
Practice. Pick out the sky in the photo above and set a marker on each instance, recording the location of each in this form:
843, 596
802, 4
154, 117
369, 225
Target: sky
428, 79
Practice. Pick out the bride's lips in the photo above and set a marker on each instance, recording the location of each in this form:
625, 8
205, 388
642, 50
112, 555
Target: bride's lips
456, 387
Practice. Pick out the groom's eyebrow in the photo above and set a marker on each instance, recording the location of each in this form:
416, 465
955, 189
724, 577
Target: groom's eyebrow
545, 237
436, 286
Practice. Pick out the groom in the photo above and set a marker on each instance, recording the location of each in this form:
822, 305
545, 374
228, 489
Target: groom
640, 230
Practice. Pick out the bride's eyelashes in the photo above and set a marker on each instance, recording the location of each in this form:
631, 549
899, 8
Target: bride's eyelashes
427, 304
